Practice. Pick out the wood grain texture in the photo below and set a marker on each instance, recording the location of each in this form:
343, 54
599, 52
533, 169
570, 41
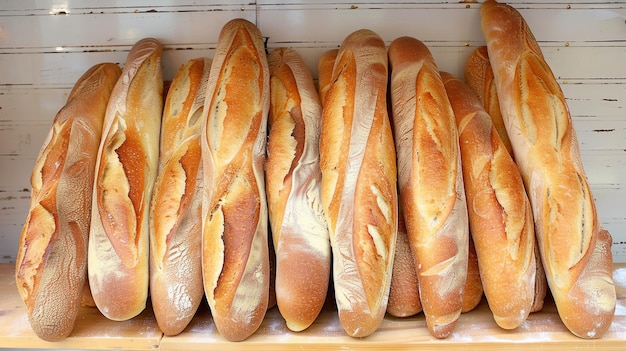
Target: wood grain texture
476, 330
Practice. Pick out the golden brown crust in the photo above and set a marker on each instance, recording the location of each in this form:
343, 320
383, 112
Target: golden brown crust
359, 195
473, 291
430, 179
500, 217
125, 172
175, 214
479, 77
404, 298
575, 250
325, 66
293, 178
235, 256
54, 238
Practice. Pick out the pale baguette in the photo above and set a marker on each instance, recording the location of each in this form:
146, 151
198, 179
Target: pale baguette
235, 259
126, 168
359, 193
293, 186
176, 287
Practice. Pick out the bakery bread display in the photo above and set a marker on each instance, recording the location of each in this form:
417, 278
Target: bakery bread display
224, 191
176, 287
500, 217
575, 249
359, 190
235, 259
53, 241
293, 188
126, 169
430, 182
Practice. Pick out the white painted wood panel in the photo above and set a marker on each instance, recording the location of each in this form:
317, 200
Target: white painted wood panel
46, 45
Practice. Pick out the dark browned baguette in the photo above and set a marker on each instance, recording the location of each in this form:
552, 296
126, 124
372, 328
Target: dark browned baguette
126, 168
575, 249
235, 257
500, 215
293, 187
359, 191
430, 182
176, 287
51, 267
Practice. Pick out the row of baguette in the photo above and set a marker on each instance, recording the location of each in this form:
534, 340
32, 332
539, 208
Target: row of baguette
391, 169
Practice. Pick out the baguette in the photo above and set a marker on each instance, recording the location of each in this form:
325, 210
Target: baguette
235, 259
500, 215
293, 177
431, 183
479, 77
473, 290
575, 249
176, 287
359, 195
325, 66
126, 168
53, 242
404, 299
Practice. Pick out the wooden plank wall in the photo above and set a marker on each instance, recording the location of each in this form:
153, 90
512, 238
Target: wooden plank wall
46, 45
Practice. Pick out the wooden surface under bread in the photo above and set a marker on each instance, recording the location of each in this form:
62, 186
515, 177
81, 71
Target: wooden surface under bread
476, 330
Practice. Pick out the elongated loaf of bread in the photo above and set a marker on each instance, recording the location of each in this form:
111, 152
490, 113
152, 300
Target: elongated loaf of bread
235, 225
53, 243
359, 182
479, 77
500, 216
293, 186
430, 182
575, 250
404, 297
176, 287
325, 65
473, 290
126, 168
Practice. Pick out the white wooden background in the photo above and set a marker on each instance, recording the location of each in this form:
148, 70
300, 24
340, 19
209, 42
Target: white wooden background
46, 45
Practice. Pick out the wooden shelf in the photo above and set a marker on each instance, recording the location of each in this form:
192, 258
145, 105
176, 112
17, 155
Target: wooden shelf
475, 330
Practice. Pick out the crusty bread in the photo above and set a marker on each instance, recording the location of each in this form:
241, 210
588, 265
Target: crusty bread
473, 290
293, 187
359, 190
176, 287
126, 168
500, 215
430, 182
575, 250
53, 241
235, 256
404, 298
479, 77
325, 65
